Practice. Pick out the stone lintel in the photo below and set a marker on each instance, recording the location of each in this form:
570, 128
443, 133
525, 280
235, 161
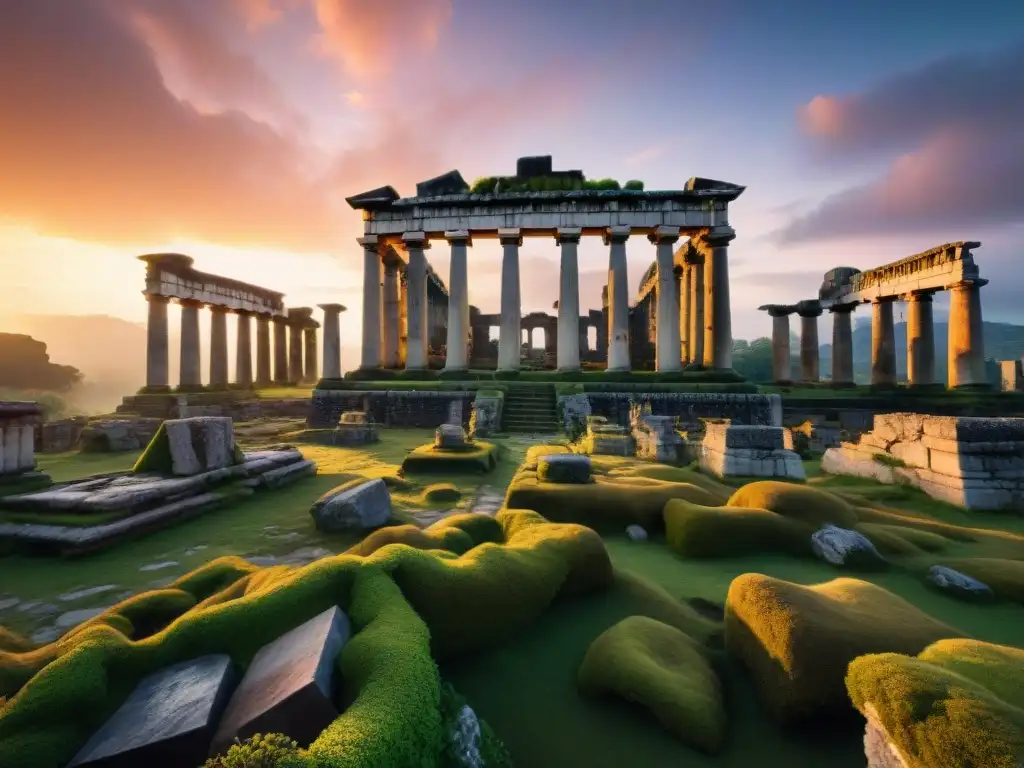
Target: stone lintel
568, 234
664, 234
809, 308
510, 235
454, 236
617, 234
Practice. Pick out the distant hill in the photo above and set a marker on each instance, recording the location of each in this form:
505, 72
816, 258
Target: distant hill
1002, 342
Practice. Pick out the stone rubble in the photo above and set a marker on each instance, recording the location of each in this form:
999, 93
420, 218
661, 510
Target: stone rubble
636, 532
972, 462
109, 435
845, 548
959, 584
733, 450
355, 428
362, 507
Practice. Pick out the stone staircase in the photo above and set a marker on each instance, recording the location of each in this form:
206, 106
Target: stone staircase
530, 408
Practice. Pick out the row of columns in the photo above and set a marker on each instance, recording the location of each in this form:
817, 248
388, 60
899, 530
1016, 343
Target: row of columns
286, 361
696, 307
966, 356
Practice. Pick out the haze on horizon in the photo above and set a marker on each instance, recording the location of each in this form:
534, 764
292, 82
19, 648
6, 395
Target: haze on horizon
232, 130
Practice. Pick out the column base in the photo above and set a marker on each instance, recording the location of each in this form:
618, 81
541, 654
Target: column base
695, 367
154, 389
571, 369
933, 386
843, 384
618, 370
981, 387
883, 386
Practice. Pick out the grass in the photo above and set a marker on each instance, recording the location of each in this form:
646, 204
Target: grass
274, 523
285, 393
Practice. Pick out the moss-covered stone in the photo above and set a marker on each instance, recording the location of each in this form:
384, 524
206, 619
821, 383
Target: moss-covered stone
694, 530
659, 667
478, 457
797, 641
441, 493
447, 539
798, 502
480, 528
960, 702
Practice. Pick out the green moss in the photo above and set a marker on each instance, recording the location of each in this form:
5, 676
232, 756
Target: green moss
959, 702
492, 751
798, 502
157, 456
447, 539
694, 530
480, 528
13, 642
441, 493
659, 667
480, 457
889, 460
797, 641
900, 541
272, 750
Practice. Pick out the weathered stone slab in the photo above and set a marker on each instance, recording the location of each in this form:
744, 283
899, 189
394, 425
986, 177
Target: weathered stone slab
289, 687
752, 462
353, 508
974, 429
725, 436
450, 437
564, 468
959, 585
843, 547
282, 476
167, 721
200, 444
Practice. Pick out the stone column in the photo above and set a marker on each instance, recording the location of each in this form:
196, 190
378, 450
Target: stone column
392, 318
697, 311
218, 347
966, 343
618, 299
332, 340
920, 340
667, 351
189, 365
280, 350
372, 320
569, 337
717, 310
243, 350
684, 314
810, 360
416, 297
263, 375
842, 345
782, 367
311, 373
295, 345
157, 348
883, 344
457, 343
510, 335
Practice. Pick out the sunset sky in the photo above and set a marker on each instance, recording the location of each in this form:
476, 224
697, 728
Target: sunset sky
231, 130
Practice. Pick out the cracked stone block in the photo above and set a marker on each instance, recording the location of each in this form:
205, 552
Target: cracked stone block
167, 721
360, 507
200, 444
289, 687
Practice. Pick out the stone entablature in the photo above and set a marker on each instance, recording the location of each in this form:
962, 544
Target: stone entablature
171, 275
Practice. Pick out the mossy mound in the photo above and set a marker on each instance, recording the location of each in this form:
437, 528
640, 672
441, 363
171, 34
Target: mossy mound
448, 539
408, 607
441, 493
13, 642
534, 452
900, 540
958, 703
798, 502
1004, 577
480, 528
477, 457
607, 503
693, 530
662, 669
796, 641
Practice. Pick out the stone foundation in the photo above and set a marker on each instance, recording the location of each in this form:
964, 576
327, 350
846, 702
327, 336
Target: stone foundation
238, 406
63, 435
972, 462
733, 450
655, 437
18, 425
117, 435
391, 408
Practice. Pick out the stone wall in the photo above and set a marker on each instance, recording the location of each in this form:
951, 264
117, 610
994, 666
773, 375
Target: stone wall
390, 408
689, 407
972, 462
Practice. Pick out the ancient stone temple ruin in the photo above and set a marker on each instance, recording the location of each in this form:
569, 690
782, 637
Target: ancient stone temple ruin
692, 292
916, 279
291, 359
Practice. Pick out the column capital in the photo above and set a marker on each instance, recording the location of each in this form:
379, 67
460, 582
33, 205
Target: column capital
616, 234
192, 303
245, 312
719, 236
666, 235
568, 235
339, 308
369, 242
157, 298
977, 282
415, 240
279, 319
809, 308
510, 236
842, 309
460, 236
885, 299
778, 310
919, 296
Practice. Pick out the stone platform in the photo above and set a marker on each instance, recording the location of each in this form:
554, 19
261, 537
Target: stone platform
144, 501
733, 450
972, 462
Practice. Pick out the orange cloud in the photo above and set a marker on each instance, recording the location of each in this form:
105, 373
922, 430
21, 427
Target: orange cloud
822, 116
368, 36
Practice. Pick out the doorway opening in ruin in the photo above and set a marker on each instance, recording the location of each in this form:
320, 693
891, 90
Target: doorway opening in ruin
591, 339
539, 340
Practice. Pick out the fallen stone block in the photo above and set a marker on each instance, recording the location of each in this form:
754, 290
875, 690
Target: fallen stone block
168, 721
846, 548
636, 533
282, 476
959, 585
353, 507
564, 468
450, 437
289, 686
